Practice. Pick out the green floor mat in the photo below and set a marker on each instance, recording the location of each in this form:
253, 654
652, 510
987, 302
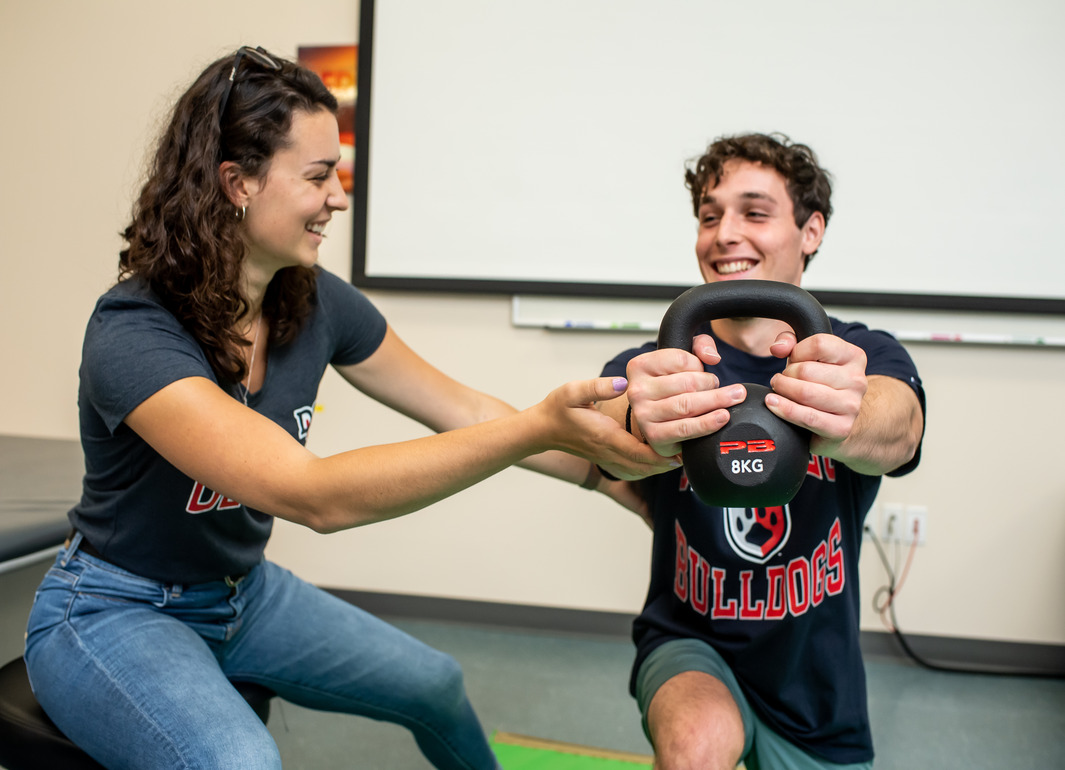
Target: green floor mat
520, 752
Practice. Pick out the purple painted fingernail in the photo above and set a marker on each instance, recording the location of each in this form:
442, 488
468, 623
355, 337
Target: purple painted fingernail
620, 383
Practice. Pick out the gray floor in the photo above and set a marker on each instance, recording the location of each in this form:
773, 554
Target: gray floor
572, 688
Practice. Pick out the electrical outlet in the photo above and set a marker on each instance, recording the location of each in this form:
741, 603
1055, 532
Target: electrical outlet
872, 522
916, 523
891, 522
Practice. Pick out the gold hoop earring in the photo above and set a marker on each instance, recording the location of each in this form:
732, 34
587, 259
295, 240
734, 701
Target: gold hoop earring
241, 213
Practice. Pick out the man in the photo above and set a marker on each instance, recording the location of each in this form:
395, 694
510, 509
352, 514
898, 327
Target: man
747, 646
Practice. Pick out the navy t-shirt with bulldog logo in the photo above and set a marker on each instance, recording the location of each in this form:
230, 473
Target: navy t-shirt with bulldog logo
774, 590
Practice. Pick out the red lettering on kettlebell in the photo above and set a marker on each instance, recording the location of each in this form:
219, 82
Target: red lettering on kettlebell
756, 445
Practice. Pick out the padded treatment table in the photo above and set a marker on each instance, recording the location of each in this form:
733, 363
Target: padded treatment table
40, 480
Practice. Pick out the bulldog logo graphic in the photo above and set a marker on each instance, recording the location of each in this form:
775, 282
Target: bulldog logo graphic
757, 533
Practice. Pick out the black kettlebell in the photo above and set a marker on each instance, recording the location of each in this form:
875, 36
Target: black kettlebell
757, 460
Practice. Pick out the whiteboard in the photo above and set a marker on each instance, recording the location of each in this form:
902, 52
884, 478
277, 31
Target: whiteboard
538, 146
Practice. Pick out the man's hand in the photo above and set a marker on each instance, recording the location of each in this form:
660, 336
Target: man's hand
674, 399
821, 388
871, 424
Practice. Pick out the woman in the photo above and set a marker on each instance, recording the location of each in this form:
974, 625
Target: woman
199, 374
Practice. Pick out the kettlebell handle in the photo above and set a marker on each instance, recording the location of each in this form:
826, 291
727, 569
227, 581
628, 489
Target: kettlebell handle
756, 460
741, 299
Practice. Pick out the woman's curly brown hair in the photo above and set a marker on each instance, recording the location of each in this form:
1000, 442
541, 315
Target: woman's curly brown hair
808, 185
184, 237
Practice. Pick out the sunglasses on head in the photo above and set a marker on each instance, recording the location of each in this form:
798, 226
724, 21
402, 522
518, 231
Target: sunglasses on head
256, 55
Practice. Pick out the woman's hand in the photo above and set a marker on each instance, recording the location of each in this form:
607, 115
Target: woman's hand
575, 425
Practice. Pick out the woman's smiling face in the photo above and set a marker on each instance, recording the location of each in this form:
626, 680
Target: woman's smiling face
288, 210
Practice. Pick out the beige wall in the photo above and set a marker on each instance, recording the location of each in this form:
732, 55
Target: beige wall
86, 85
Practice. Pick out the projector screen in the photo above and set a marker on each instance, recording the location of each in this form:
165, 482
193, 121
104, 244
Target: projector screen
539, 146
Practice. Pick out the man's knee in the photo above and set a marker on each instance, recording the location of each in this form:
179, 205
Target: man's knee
694, 722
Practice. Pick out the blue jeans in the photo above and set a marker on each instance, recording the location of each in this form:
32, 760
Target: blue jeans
138, 672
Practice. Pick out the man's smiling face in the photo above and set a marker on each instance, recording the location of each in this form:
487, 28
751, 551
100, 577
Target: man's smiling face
747, 227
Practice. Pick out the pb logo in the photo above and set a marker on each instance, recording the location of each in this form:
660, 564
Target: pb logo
754, 445
749, 460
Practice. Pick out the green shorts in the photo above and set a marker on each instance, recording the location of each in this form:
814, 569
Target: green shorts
763, 749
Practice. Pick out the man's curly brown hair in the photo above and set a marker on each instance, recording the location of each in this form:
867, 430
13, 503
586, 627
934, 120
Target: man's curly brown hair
808, 185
